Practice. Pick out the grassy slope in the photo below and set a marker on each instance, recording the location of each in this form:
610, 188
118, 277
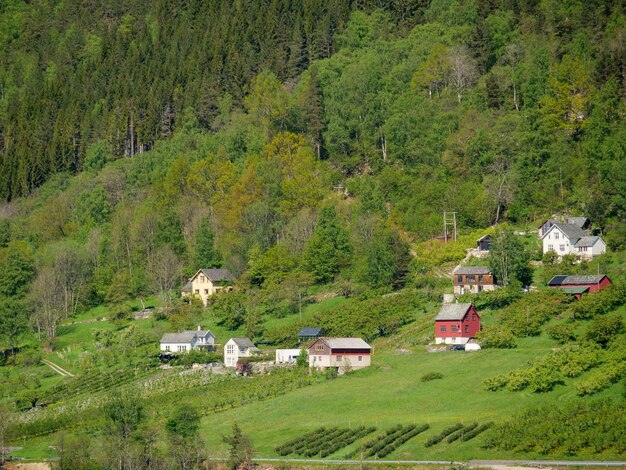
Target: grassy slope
392, 393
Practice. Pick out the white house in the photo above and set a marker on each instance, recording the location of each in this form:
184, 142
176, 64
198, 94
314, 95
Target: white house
207, 282
565, 239
236, 348
187, 340
340, 353
285, 356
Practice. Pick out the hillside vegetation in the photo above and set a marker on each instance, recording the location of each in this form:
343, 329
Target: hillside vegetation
311, 149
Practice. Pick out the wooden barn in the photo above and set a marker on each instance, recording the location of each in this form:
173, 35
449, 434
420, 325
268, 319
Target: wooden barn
580, 284
456, 324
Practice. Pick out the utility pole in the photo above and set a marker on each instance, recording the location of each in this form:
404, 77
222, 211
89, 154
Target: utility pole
449, 220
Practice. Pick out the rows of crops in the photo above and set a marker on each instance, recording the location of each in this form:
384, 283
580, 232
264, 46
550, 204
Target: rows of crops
94, 382
323, 441
383, 445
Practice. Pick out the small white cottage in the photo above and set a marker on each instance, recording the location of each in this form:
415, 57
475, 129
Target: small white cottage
187, 340
236, 348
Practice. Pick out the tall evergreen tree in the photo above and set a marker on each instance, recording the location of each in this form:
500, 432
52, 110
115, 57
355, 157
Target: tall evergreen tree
329, 248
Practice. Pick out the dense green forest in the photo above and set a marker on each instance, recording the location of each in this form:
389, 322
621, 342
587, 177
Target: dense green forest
295, 143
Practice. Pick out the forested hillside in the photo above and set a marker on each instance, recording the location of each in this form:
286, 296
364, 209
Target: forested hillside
310, 148
291, 144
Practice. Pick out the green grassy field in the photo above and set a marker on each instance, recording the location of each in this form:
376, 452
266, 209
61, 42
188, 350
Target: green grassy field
391, 393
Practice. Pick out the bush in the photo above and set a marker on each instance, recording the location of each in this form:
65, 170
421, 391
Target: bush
431, 376
496, 336
561, 332
443, 434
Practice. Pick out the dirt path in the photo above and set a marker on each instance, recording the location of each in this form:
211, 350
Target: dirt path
57, 368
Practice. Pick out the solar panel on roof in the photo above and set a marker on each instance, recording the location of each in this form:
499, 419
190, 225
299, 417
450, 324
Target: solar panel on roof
557, 280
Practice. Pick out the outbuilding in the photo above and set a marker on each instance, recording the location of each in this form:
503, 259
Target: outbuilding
578, 285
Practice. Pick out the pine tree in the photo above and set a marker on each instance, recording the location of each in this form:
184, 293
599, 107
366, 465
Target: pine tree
205, 255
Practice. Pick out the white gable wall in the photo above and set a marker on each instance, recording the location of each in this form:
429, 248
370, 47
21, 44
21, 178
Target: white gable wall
555, 240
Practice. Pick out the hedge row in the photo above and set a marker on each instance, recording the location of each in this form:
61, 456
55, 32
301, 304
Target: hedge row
443, 434
461, 432
323, 442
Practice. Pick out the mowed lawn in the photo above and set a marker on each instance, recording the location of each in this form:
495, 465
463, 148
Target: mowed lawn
392, 393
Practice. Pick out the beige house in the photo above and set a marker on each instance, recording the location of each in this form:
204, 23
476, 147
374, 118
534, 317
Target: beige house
207, 282
341, 353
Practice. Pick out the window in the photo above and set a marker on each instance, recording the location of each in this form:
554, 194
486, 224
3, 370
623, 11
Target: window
230, 349
319, 358
359, 358
473, 316
202, 279
550, 247
339, 358
181, 348
206, 291
562, 247
453, 328
197, 291
556, 235
167, 348
459, 279
470, 278
480, 278
467, 328
442, 329
319, 347
480, 288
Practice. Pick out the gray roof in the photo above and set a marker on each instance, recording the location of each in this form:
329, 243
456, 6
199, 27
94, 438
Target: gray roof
311, 331
217, 275
184, 337
346, 343
452, 311
573, 232
587, 241
204, 333
576, 280
244, 343
472, 270
187, 287
578, 221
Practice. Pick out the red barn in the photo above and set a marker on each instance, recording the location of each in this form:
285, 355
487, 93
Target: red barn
456, 324
579, 285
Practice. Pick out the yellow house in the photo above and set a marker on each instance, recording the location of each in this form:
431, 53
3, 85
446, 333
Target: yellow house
207, 282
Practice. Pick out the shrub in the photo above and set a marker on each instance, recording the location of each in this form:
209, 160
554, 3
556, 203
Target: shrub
443, 434
496, 336
561, 332
431, 376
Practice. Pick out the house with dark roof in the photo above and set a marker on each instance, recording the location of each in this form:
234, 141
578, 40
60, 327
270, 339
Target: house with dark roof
236, 348
308, 334
472, 279
187, 340
456, 324
484, 243
565, 239
580, 284
207, 282
342, 354
580, 222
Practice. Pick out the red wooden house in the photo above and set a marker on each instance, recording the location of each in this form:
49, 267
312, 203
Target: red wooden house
579, 285
456, 324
